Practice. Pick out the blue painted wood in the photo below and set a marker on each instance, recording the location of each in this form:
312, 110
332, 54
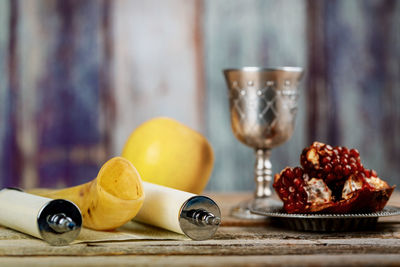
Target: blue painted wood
362, 44
4, 32
11, 160
73, 80
60, 73
249, 33
68, 92
352, 51
157, 64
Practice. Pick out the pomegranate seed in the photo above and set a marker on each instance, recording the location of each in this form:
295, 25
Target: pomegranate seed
289, 206
289, 174
283, 181
347, 170
354, 152
298, 172
326, 160
359, 166
297, 182
335, 162
338, 170
336, 151
354, 167
327, 168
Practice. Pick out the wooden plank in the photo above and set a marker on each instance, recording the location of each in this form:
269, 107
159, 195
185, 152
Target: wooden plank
351, 98
107, 103
68, 131
31, 65
193, 260
261, 246
60, 137
158, 71
11, 160
316, 83
244, 33
4, 103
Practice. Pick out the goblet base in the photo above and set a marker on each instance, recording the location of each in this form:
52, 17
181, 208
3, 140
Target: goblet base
242, 210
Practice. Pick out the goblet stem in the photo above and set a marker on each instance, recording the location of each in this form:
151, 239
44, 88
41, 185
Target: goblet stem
262, 195
263, 173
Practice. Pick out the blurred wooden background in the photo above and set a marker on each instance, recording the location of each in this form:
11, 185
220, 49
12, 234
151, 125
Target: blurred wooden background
76, 77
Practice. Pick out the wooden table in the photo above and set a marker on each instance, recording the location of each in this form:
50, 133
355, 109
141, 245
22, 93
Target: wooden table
237, 243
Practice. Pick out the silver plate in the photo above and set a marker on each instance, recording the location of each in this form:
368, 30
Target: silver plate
324, 222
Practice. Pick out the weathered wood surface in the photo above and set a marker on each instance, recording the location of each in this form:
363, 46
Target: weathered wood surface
193, 260
243, 244
77, 76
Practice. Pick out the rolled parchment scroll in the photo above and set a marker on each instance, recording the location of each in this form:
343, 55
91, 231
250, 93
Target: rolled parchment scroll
197, 217
58, 221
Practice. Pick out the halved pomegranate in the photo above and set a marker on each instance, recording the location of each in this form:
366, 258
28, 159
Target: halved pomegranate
331, 180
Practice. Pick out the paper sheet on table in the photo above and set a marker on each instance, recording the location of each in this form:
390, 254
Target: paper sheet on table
130, 231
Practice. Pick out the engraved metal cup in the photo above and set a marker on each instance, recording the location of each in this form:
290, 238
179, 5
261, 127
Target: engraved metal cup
263, 107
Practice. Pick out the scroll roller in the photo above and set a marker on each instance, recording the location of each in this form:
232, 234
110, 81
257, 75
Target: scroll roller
197, 217
58, 222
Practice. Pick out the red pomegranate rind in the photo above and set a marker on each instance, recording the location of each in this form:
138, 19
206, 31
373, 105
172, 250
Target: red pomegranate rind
364, 192
373, 181
378, 199
362, 201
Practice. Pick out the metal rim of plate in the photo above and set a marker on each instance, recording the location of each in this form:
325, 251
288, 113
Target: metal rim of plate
325, 222
277, 211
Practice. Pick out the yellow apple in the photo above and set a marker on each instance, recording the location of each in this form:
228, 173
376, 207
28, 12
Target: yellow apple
167, 152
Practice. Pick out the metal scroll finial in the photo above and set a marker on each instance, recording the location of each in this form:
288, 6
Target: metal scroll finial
61, 223
202, 217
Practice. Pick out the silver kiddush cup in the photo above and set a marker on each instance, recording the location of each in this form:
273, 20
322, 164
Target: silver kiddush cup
263, 107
